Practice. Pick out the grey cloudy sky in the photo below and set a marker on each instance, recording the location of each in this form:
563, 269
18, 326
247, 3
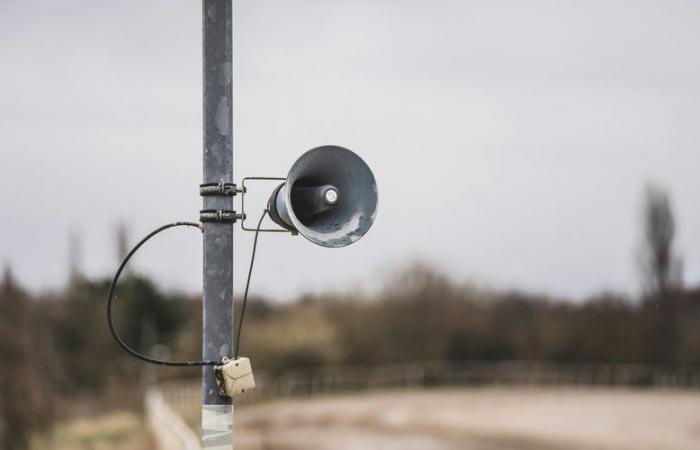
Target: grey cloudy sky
511, 140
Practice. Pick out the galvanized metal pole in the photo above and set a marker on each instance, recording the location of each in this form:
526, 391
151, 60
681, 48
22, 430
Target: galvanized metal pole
217, 411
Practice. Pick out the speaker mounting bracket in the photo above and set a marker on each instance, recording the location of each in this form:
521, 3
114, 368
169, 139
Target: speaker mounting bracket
220, 216
243, 190
221, 188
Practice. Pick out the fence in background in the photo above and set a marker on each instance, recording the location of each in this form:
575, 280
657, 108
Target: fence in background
308, 382
181, 398
168, 428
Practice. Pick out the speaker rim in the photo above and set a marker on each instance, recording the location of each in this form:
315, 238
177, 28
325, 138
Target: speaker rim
296, 222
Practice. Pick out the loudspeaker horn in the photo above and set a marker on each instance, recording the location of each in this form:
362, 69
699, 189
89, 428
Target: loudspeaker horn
329, 197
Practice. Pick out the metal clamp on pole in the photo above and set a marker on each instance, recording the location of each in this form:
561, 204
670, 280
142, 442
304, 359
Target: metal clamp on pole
220, 215
220, 188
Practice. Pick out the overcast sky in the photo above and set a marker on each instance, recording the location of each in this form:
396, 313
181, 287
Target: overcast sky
511, 140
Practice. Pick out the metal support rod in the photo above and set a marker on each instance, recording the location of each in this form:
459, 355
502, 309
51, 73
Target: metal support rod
217, 338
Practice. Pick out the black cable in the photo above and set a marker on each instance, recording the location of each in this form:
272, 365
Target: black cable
247, 285
113, 287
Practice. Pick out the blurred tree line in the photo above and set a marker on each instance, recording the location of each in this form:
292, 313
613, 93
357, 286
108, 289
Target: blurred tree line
57, 355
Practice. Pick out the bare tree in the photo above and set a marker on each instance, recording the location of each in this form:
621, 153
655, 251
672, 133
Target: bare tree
662, 275
75, 250
122, 241
661, 267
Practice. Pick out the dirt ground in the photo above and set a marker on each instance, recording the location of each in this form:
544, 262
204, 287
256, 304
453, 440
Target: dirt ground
117, 431
477, 419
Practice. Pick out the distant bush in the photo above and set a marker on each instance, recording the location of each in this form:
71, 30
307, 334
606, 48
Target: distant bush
59, 344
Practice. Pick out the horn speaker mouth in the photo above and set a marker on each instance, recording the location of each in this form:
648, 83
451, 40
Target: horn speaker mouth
330, 197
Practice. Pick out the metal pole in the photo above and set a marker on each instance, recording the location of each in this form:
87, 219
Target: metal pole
217, 342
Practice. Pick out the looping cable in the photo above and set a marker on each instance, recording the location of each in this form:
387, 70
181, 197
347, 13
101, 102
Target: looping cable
110, 298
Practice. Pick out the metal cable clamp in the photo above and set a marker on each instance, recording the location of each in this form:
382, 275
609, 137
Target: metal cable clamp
220, 216
220, 188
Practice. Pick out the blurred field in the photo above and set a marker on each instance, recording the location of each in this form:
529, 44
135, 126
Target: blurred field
117, 431
476, 419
